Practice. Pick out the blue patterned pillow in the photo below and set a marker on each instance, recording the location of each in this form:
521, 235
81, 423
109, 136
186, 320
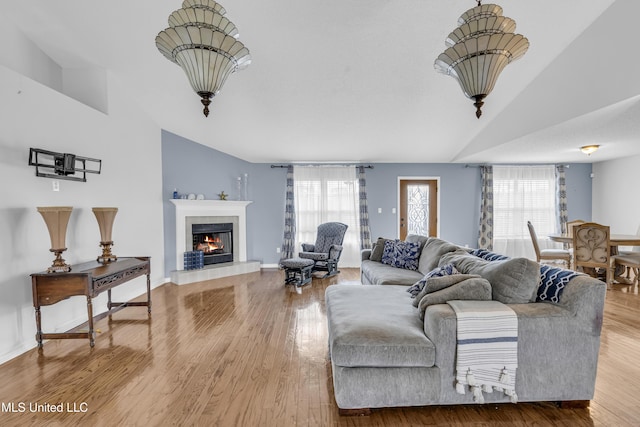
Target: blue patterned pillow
445, 270
401, 254
552, 283
488, 255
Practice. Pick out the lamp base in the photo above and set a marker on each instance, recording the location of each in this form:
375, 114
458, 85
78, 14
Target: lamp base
59, 265
106, 256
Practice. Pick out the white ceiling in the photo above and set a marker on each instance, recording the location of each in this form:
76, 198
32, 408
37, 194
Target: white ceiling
339, 80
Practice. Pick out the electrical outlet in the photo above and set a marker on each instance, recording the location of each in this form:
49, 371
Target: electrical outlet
56, 185
277, 250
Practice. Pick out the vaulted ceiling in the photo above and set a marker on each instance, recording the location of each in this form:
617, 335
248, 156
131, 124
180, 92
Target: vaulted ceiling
354, 80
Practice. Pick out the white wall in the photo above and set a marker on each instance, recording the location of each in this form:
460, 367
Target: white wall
129, 145
615, 194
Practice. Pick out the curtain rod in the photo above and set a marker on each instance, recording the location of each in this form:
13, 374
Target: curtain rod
321, 164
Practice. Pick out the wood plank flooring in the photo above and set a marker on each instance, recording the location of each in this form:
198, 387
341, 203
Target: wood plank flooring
248, 351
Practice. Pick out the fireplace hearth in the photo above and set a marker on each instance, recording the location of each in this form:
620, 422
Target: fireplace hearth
215, 241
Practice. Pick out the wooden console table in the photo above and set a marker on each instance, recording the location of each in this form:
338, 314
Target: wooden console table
89, 279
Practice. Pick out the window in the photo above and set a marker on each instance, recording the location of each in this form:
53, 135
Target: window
521, 194
324, 194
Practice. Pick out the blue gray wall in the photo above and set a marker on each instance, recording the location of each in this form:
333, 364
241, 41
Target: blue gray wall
193, 168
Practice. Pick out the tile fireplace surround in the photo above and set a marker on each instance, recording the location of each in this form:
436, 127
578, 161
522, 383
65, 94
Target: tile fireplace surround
203, 211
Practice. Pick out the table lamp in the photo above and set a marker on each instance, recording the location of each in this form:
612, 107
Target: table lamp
57, 218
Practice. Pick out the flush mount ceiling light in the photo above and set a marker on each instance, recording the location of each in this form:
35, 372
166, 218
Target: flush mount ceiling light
479, 49
204, 44
589, 149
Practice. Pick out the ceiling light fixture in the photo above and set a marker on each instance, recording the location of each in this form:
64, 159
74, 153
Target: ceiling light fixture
479, 49
589, 149
204, 44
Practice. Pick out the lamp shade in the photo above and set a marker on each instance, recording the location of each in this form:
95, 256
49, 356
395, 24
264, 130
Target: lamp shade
105, 218
204, 43
57, 219
479, 49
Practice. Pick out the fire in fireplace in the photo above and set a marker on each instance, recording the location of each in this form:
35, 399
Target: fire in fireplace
215, 241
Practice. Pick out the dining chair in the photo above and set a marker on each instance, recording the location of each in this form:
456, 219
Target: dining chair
548, 254
592, 250
630, 261
572, 224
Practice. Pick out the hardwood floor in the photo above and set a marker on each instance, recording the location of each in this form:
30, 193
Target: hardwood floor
248, 351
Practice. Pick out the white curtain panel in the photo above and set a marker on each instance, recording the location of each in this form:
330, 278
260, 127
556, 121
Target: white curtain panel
327, 194
521, 194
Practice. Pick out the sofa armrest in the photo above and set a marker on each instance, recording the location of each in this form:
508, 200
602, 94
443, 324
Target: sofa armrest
365, 254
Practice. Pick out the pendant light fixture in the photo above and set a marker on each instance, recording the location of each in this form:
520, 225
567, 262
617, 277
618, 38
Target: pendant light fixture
479, 49
204, 43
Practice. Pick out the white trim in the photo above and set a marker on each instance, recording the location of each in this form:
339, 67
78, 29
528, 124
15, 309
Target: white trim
438, 191
186, 208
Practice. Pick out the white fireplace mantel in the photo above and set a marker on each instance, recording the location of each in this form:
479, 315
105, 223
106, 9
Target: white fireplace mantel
189, 208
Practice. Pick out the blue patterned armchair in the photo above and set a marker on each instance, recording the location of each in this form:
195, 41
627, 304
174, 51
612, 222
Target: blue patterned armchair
327, 249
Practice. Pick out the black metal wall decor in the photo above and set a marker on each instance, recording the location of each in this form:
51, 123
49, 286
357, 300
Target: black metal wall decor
50, 164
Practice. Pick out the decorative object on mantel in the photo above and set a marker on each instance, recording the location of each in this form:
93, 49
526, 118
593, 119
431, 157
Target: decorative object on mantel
105, 217
204, 44
589, 149
222, 195
57, 219
62, 165
242, 187
479, 49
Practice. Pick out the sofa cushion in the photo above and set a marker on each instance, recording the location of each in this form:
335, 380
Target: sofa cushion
401, 254
416, 238
376, 273
475, 288
375, 326
432, 250
513, 281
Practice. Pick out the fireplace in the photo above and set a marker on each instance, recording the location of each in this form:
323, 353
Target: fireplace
214, 240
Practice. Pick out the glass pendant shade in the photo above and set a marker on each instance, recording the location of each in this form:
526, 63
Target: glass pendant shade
204, 43
479, 49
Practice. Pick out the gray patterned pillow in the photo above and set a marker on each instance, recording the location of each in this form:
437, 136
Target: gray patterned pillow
401, 254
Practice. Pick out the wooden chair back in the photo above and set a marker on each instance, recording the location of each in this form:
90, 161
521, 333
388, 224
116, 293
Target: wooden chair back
572, 224
592, 248
534, 240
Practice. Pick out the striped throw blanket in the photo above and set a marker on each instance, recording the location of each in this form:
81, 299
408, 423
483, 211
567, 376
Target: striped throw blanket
487, 352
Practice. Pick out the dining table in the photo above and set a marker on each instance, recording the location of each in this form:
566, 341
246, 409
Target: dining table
615, 240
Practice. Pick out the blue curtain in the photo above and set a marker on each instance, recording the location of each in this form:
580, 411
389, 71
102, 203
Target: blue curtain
365, 231
288, 243
561, 199
485, 234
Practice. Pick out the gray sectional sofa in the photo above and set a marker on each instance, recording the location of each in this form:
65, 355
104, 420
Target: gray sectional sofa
387, 350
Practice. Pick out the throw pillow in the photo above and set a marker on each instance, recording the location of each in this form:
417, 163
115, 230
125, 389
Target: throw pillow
488, 255
401, 254
477, 288
378, 249
552, 283
445, 270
